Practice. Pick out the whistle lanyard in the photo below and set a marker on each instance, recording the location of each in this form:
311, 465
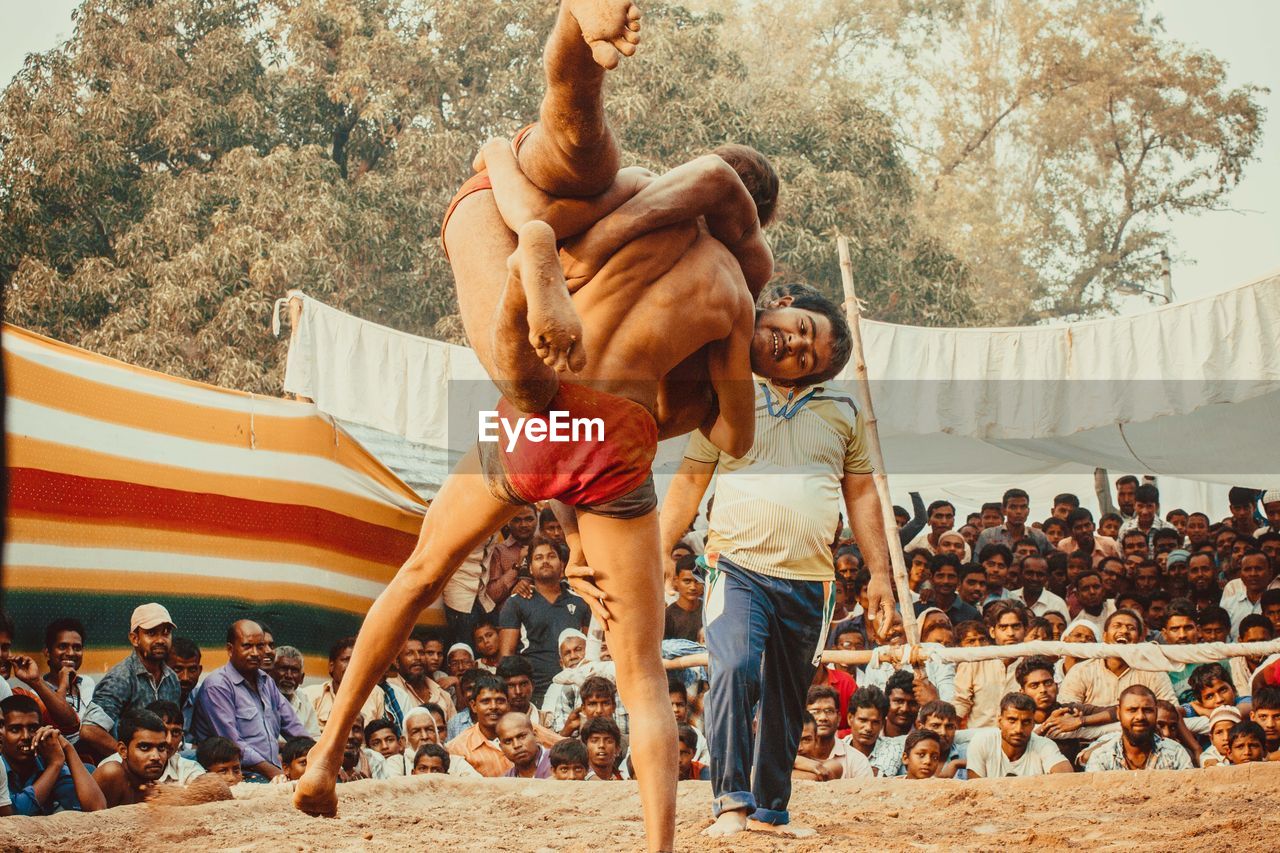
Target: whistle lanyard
785, 409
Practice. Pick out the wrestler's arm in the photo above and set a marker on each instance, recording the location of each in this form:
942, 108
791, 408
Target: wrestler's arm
707, 187
520, 201
729, 365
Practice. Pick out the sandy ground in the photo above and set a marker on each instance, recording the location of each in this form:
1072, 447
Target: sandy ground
1213, 809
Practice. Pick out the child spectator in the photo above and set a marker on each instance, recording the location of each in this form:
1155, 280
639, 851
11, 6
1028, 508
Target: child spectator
1223, 719
1266, 713
603, 741
431, 758
569, 760
971, 634
383, 737
922, 754
689, 767
221, 756
1248, 743
293, 756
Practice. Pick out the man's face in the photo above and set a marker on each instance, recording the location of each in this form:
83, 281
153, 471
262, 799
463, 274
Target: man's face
1015, 727
1147, 580
903, 708
688, 586
865, 725
553, 531
146, 754
385, 743
942, 518
1122, 628
1272, 612
338, 666
602, 752
1109, 527
1062, 510
1166, 722
1201, 573
992, 518
680, 707
973, 588
545, 565
1016, 511
1255, 573
1223, 542
572, 651
523, 525
825, 717
355, 742
1270, 722
268, 651
515, 737
997, 568
790, 343
944, 728
152, 643
287, 674
1024, 550
460, 660
1272, 549
1134, 545
846, 567
1035, 572
1217, 692
1058, 622
1214, 632
487, 641
945, 581
1157, 611
1137, 715
599, 705
809, 742
519, 692
1197, 529
246, 647
428, 764
411, 663
569, 772
951, 543
67, 652
1180, 631
174, 733
488, 706
19, 730
1008, 630
1179, 522
686, 757
1082, 531
1090, 591
188, 671
1146, 511
1042, 689
1124, 497
422, 728
433, 656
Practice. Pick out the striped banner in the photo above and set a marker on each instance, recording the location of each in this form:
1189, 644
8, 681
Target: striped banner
128, 486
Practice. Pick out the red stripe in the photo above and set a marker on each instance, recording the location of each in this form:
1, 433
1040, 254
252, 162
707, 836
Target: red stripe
66, 496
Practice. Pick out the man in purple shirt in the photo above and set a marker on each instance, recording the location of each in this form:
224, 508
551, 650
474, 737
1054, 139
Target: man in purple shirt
520, 745
239, 703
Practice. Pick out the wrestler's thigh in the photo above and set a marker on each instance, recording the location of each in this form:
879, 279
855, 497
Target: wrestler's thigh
559, 168
479, 242
623, 554
462, 516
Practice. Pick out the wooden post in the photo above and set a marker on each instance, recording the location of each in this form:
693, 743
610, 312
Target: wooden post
881, 479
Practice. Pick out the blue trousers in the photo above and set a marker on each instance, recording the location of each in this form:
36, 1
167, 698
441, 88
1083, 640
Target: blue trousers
764, 635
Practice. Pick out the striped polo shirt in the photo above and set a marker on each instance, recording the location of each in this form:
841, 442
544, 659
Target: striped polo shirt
776, 509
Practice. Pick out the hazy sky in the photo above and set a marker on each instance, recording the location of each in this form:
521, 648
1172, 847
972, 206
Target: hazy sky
1219, 250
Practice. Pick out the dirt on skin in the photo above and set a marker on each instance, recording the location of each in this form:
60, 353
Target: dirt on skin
1219, 808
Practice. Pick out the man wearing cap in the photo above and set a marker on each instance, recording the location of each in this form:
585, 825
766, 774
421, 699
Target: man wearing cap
138, 680
1270, 506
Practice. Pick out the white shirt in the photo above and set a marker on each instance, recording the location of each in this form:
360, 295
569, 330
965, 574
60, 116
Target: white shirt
854, 765
305, 711
987, 758
1045, 603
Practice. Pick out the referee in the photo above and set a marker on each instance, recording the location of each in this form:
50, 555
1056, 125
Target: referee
769, 586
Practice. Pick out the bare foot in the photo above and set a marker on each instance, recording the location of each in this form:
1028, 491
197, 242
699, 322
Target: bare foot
555, 330
729, 823
610, 27
784, 830
316, 793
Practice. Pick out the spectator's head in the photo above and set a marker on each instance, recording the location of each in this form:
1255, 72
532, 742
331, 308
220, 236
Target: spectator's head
1266, 713
970, 535
1006, 622
1135, 601
1269, 544
1221, 721
467, 685
1197, 529
922, 754
288, 672
340, 659
355, 742
679, 695
1134, 543
488, 703
1255, 573
849, 638
1090, 592
935, 627
523, 525
268, 647
517, 671
973, 584
220, 756
460, 659
1064, 504
918, 560
1255, 628
808, 746
868, 707
1202, 572
1215, 624
996, 559
143, 745
293, 756
680, 549
1057, 624
1136, 712
1271, 607
21, 716
1123, 626
151, 632
569, 760
603, 740
171, 716
1247, 742
1126, 490
1037, 629
1271, 507
64, 644
951, 542
942, 719
1036, 678
549, 526
517, 740
599, 697
1211, 684
1178, 518
1054, 529
1025, 547
1016, 505
7, 633
245, 645
1243, 502
1035, 574
485, 639
823, 704
1109, 525
546, 565
687, 738
1165, 540
1146, 577
411, 663
424, 724
430, 758
382, 736
573, 647
1017, 719
688, 586
943, 571
903, 706
433, 652
942, 516
971, 634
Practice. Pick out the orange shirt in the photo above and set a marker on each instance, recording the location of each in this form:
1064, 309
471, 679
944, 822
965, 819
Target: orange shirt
484, 755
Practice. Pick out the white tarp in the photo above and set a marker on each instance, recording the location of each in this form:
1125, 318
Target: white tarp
1190, 391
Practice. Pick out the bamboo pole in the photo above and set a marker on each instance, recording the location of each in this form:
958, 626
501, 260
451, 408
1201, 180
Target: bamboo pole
881, 479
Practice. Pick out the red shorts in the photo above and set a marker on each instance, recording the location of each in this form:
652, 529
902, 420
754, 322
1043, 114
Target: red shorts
607, 470
477, 182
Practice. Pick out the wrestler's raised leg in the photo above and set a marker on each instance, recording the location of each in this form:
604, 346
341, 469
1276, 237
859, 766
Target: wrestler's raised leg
461, 517
624, 557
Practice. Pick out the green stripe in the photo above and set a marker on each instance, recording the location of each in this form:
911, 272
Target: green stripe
203, 619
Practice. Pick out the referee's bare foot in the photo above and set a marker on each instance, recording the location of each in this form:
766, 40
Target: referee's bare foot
729, 823
783, 830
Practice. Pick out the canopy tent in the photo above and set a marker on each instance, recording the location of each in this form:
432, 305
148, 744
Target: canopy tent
1190, 392
128, 486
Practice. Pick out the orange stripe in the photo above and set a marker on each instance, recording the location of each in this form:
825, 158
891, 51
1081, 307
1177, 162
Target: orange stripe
38, 529
28, 452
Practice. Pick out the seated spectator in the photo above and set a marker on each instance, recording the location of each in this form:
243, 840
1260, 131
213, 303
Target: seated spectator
220, 756
1037, 629
519, 743
1098, 684
358, 761
288, 674
1254, 628
1013, 748
832, 758
1091, 598
569, 760
690, 768
1212, 687
1247, 742
476, 743
466, 691
679, 695
322, 695
178, 769
487, 642
941, 719
1171, 725
684, 615
1266, 713
867, 709
935, 627
1255, 577
431, 758
599, 698
979, 685
424, 724
460, 659
995, 561
604, 749
238, 702
1221, 721
1035, 574
572, 644
143, 751
184, 660
943, 574
293, 756
138, 680
384, 738
903, 705
922, 754
43, 772
1215, 624
517, 672
64, 641
54, 709
1138, 747
843, 683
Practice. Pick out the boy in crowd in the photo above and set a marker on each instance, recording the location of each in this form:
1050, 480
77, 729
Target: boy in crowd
689, 768
569, 760
221, 756
431, 758
684, 615
293, 758
384, 738
603, 741
144, 752
1248, 743
1266, 713
177, 769
941, 719
921, 754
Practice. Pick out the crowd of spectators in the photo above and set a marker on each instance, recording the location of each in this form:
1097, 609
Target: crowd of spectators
498, 692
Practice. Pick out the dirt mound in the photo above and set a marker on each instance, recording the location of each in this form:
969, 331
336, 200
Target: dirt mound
1213, 809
